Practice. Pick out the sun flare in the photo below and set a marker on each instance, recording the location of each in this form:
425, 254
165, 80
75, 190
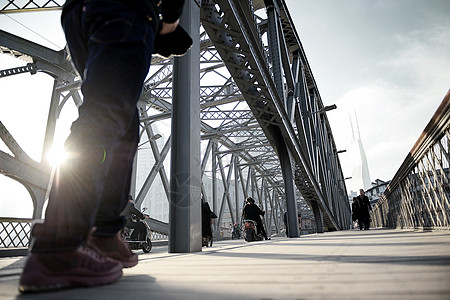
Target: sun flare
57, 156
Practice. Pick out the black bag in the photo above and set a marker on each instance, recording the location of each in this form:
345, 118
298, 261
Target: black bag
176, 43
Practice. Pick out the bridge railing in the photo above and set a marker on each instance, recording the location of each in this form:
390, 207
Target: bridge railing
419, 194
15, 232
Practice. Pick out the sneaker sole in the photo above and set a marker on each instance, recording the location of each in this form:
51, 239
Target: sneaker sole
65, 282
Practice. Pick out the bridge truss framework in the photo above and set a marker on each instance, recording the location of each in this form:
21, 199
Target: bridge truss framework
263, 126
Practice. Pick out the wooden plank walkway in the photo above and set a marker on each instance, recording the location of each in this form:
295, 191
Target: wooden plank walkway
374, 264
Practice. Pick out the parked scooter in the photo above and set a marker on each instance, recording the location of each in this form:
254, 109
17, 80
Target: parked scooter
251, 232
144, 244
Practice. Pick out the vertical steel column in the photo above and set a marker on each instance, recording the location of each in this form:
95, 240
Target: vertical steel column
274, 49
288, 178
53, 115
251, 174
236, 188
279, 213
51, 122
185, 229
214, 186
303, 109
267, 218
39, 196
293, 94
134, 176
317, 216
283, 153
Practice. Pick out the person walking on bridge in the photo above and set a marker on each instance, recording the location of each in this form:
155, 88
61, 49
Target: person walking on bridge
364, 210
110, 44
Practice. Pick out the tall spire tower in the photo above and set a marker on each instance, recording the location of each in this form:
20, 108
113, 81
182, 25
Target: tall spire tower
360, 175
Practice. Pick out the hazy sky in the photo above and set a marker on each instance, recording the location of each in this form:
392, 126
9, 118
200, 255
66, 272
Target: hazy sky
388, 61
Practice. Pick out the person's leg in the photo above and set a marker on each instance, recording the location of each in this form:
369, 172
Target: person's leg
367, 223
113, 61
142, 232
107, 222
136, 228
93, 187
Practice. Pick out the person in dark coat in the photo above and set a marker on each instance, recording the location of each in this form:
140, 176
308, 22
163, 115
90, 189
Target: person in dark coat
207, 216
253, 212
364, 210
139, 228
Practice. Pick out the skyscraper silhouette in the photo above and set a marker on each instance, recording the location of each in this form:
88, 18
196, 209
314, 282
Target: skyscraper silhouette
360, 175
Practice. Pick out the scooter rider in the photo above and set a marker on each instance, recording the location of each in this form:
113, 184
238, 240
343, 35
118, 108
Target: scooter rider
139, 228
252, 212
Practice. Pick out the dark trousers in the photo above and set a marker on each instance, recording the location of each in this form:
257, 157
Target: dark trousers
260, 227
366, 222
139, 231
363, 222
110, 46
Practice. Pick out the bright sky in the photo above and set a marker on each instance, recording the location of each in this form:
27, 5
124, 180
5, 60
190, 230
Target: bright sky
386, 61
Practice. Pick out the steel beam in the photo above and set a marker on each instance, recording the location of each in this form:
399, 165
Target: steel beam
185, 228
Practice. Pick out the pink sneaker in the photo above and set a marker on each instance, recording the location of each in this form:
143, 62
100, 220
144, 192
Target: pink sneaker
114, 248
81, 267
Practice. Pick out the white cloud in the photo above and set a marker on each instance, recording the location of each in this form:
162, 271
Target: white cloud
425, 56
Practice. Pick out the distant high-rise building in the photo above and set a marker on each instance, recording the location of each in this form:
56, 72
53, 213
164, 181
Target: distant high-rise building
155, 202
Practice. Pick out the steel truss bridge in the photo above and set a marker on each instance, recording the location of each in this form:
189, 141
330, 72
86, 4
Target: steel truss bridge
249, 98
